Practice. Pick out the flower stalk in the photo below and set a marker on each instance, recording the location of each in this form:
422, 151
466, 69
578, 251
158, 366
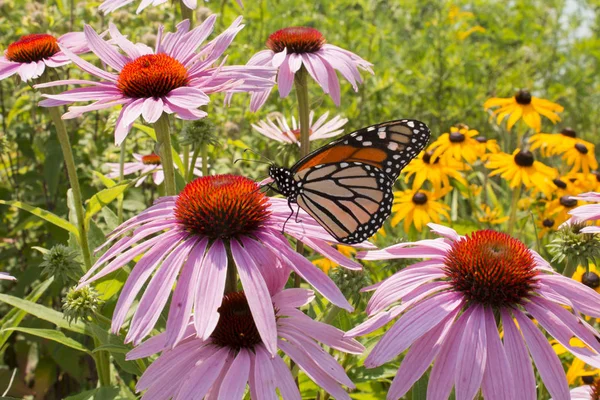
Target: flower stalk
163, 137
65, 144
514, 204
121, 179
301, 85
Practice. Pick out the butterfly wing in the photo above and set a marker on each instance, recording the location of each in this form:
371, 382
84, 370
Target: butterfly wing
389, 146
350, 200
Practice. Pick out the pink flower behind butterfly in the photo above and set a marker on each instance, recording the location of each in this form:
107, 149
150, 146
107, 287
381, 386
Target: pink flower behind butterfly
296, 47
109, 6
451, 309
214, 221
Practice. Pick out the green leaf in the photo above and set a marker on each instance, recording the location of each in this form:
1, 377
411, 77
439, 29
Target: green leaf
46, 215
112, 348
102, 198
106, 181
47, 314
102, 393
108, 339
54, 335
14, 317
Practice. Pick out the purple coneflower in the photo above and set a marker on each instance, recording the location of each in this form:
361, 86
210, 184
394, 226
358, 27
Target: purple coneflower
587, 212
292, 48
7, 277
108, 6
591, 391
172, 78
31, 54
191, 234
282, 132
145, 164
235, 354
452, 307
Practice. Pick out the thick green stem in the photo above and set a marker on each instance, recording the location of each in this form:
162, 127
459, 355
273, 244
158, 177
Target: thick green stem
65, 144
186, 13
163, 137
186, 159
121, 179
301, 85
231, 280
513, 209
102, 360
570, 268
192, 166
204, 148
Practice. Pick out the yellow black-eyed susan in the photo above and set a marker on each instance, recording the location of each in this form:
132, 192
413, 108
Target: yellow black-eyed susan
419, 207
437, 171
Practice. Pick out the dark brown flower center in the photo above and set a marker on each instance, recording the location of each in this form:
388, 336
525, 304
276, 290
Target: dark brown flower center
236, 328
591, 279
457, 137
297, 39
559, 183
32, 48
597, 175
491, 268
222, 206
580, 147
548, 223
427, 158
595, 390
523, 97
419, 198
588, 380
152, 75
151, 159
568, 202
524, 158
570, 132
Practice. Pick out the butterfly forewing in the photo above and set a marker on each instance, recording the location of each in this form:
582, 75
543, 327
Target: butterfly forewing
347, 185
389, 146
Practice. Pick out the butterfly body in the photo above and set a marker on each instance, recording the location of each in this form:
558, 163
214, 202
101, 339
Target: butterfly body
347, 185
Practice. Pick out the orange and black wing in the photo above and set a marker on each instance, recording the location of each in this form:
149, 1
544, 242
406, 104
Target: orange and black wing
351, 200
389, 146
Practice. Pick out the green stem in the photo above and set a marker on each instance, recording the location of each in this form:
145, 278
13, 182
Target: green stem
67, 150
570, 268
121, 179
192, 166
102, 361
204, 149
186, 159
163, 137
231, 280
513, 209
301, 85
186, 13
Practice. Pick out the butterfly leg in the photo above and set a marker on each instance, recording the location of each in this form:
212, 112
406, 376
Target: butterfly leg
290, 216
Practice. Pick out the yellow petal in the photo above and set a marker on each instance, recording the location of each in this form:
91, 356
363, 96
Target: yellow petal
514, 117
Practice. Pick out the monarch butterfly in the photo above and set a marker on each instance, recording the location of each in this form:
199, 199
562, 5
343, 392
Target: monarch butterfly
347, 185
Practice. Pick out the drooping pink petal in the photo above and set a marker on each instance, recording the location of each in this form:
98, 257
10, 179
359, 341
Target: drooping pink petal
158, 343
203, 376
285, 78
152, 109
472, 356
442, 374
518, 359
103, 50
263, 374
234, 383
285, 380
498, 380
210, 287
419, 357
415, 323
180, 310
586, 299
257, 294
545, 358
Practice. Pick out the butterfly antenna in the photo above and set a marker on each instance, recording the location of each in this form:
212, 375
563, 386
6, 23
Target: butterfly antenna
259, 155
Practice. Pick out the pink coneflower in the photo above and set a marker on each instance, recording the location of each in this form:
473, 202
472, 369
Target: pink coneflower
282, 132
587, 212
31, 54
108, 6
586, 392
191, 234
145, 164
172, 78
221, 365
5, 276
452, 305
292, 48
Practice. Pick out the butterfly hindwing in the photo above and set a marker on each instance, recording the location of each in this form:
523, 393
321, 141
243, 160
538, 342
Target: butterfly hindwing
350, 200
389, 146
